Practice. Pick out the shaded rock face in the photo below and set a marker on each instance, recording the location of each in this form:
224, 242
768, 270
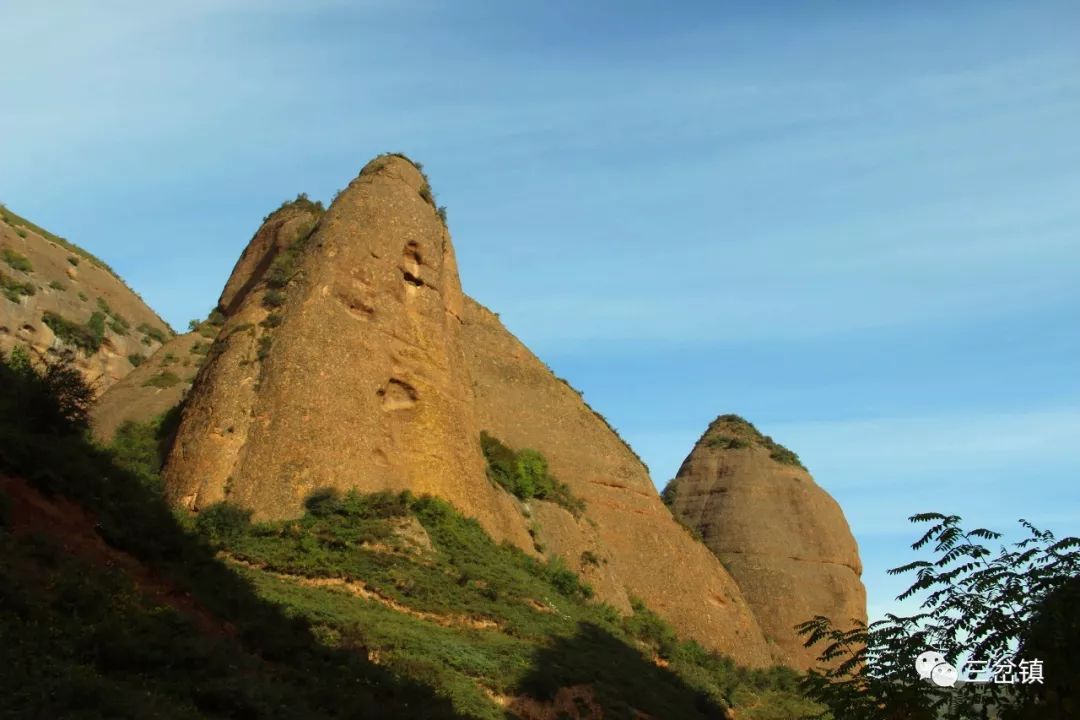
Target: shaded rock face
42, 275
634, 545
353, 377
782, 537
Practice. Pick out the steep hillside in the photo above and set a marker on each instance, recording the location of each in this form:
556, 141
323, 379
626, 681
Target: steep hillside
782, 537
627, 542
55, 296
372, 606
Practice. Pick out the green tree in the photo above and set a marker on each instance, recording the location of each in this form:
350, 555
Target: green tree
977, 604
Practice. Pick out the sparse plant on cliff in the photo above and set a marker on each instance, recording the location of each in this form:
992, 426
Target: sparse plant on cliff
733, 432
14, 290
977, 604
152, 333
87, 338
16, 261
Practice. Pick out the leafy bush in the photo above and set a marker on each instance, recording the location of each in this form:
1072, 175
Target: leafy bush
73, 261
156, 334
87, 338
117, 323
273, 298
222, 523
525, 474
136, 359
57, 285
975, 604
14, 290
727, 442
141, 447
16, 260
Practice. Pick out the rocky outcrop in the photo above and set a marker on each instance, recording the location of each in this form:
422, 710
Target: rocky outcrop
340, 365
627, 542
782, 537
55, 297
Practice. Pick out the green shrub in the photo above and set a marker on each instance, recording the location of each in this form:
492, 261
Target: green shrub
141, 447
16, 260
82, 296
152, 333
136, 359
273, 298
57, 285
117, 323
222, 523
73, 261
727, 442
164, 379
265, 343
525, 474
87, 338
14, 290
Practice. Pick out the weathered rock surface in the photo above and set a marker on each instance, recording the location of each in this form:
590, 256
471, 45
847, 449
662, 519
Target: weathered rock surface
340, 365
153, 388
635, 546
42, 275
782, 537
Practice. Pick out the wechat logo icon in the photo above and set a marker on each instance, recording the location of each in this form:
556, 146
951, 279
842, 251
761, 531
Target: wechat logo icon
931, 666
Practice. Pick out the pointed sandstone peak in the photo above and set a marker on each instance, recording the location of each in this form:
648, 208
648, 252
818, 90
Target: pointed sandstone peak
340, 366
783, 538
626, 543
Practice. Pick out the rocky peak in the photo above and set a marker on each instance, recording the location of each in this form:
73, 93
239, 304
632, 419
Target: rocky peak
340, 365
782, 537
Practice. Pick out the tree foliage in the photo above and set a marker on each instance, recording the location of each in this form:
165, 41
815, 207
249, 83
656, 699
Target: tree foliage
50, 396
980, 604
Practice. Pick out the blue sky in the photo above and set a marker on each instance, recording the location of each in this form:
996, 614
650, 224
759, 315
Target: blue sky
855, 224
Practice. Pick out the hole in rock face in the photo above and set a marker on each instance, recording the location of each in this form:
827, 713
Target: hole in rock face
398, 395
410, 264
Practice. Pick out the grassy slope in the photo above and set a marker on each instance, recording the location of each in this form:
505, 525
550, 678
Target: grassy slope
460, 627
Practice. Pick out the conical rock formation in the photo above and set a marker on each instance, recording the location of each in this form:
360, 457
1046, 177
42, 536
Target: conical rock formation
782, 537
340, 365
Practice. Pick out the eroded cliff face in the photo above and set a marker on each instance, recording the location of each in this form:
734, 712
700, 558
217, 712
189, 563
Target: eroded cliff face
340, 366
57, 298
784, 539
627, 542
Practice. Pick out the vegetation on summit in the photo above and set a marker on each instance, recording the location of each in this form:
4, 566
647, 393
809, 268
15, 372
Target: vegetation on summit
734, 432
